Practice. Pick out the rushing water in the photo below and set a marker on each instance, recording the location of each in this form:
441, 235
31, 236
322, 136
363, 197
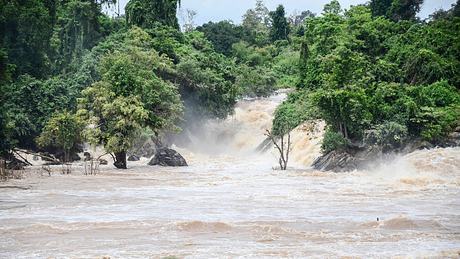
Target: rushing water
230, 203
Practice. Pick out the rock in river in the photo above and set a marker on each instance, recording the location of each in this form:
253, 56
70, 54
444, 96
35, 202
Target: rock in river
167, 157
133, 158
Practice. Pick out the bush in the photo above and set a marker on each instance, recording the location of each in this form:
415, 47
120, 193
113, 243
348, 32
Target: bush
255, 82
438, 122
333, 141
64, 131
388, 135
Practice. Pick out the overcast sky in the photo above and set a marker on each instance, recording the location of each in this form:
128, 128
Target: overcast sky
217, 10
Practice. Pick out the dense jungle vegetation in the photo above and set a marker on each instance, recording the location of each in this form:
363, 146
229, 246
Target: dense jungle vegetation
70, 73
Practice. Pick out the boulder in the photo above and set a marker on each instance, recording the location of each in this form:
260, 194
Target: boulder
133, 158
103, 162
75, 157
168, 157
337, 161
144, 147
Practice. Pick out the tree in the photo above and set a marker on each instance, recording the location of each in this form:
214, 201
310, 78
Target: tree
380, 7
222, 35
145, 13
255, 18
78, 27
256, 22
280, 27
25, 29
404, 9
255, 82
396, 10
207, 79
332, 8
5, 138
189, 20
64, 131
297, 19
286, 119
128, 98
30, 102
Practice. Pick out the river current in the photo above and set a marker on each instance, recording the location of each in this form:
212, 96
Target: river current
230, 203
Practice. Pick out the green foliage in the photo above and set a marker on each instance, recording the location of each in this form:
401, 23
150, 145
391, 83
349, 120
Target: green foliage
371, 74
437, 123
404, 9
333, 8
380, 7
333, 141
30, 102
396, 9
389, 135
25, 29
78, 27
206, 78
5, 131
298, 108
145, 13
129, 96
223, 35
346, 110
279, 29
439, 111
255, 82
63, 130
256, 24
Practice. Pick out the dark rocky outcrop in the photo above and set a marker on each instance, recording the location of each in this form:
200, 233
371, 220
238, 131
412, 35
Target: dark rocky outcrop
367, 155
133, 158
145, 147
350, 159
337, 161
103, 162
167, 157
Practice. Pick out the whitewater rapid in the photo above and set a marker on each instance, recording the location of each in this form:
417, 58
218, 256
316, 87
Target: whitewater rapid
230, 203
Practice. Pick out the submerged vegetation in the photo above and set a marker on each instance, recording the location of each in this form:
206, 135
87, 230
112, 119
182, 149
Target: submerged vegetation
375, 73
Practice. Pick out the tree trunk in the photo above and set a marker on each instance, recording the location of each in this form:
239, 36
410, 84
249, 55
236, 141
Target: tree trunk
120, 160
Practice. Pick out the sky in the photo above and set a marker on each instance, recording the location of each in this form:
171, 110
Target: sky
217, 10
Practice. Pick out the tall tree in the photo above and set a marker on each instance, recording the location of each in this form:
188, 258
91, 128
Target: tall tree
78, 28
189, 20
280, 27
129, 97
404, 9
145, 13
25, 32
256, 22
380, 7
396, 9
297, 19
332, 8
222, 35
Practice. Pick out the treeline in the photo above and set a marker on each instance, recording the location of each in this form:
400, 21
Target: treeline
265, 47
377, 75
69, 73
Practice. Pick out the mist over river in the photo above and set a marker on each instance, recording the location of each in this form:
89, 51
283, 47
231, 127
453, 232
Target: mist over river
230, 203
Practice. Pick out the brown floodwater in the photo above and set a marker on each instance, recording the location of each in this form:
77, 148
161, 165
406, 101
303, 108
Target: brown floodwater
231, 203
